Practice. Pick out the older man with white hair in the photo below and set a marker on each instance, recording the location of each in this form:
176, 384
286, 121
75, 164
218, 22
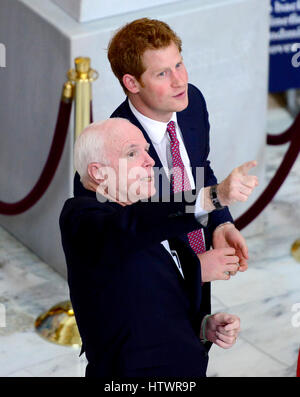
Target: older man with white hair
136, 302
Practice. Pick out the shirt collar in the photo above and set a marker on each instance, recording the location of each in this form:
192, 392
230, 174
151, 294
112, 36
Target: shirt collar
155, 129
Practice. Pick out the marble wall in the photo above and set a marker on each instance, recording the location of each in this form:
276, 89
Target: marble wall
89, 10
225, 48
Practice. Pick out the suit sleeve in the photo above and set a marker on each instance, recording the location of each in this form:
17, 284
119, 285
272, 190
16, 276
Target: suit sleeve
131, 227
221, 216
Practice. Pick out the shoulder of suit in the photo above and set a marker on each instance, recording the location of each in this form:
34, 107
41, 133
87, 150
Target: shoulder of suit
195, 94
122, 110
196, 106
77, 207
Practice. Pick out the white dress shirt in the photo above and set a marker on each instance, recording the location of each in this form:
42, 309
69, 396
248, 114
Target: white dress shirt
157, 132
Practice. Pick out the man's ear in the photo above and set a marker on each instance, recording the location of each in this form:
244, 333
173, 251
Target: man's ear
131, 83
95, 172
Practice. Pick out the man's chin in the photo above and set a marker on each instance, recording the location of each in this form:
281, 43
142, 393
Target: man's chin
181, 105
146, 193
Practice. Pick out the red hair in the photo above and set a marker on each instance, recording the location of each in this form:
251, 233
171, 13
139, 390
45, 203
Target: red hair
126, 48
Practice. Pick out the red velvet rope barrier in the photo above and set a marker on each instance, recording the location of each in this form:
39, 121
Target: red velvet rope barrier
298, 366
50, 167
91, 112
292, 135
285, 136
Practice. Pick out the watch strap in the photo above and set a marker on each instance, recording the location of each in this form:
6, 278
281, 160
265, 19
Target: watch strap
214, 197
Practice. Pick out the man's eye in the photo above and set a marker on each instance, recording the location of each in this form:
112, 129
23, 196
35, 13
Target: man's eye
162, 74
178, 65
131, 154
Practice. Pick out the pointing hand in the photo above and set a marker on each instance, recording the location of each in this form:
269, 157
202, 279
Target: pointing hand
238, 185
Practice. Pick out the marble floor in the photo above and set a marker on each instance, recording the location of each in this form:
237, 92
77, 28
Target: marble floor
263, 297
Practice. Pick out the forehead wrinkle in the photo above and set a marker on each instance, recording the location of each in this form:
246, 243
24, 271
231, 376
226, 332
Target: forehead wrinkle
133, 146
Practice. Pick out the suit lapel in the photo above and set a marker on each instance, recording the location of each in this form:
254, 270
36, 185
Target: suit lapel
191, 141
191, 270
192, 274
193, 136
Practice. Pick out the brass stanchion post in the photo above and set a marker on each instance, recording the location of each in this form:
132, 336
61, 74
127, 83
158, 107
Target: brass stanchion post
295, 250
82, 76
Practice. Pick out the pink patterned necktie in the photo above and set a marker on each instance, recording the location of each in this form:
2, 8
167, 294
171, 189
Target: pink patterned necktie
180, 183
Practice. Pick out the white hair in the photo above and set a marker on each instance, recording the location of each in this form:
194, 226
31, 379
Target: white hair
89, 146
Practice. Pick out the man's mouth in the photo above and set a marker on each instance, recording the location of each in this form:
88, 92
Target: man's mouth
180, 95
147, 179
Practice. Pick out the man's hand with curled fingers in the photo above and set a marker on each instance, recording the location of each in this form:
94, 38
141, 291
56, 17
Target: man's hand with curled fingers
238, 185
228, 235
222, 329
216, 262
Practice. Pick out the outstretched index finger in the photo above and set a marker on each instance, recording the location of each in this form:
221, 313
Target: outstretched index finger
246, 167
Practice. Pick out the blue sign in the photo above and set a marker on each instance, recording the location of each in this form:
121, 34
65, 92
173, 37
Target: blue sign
284, 72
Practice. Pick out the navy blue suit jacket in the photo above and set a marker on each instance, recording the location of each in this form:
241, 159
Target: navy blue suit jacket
194, 125
136, 314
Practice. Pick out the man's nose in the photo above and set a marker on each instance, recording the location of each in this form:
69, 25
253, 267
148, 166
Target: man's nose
177, 79
148, 161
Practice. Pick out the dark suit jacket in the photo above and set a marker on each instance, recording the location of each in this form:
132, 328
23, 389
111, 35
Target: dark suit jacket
136, 314
194, 125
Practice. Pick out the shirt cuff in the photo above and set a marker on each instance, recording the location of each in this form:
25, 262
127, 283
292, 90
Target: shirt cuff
200, 214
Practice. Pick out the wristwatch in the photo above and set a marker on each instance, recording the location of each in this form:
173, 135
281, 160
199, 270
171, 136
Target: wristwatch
214, 197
